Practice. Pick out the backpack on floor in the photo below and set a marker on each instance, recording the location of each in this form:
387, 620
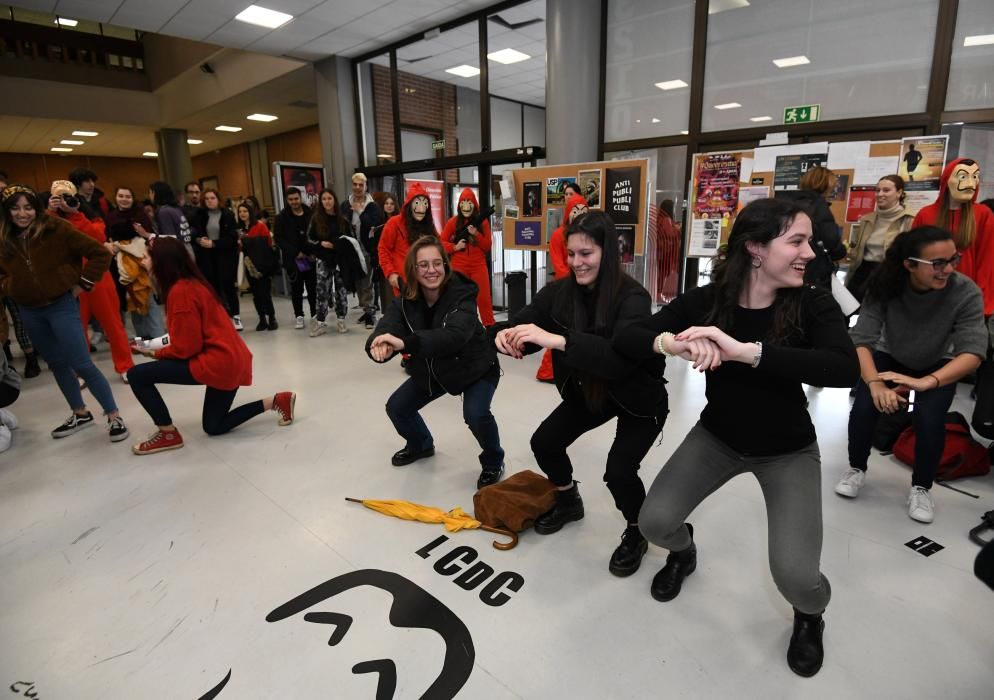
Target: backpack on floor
961, 457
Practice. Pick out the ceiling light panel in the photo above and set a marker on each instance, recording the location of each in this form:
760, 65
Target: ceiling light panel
86, 133
66, 22
791, 61
728, 105
979, 40
71, 142
263, 17
231, 129
463, 71
716, 6
671, 84
194, 142
150, 154
508, 56
262, 117
761, 119
60, 149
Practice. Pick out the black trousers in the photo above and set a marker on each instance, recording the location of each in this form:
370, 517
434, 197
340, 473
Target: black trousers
262, 295
298, 281
632, 440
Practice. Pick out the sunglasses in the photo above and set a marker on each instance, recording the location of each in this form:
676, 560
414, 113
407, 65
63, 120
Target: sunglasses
940, 264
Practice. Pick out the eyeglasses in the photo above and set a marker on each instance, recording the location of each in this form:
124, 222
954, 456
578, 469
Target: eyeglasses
940, 264
426, 265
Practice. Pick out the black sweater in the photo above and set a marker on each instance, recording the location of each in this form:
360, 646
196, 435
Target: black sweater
761, 411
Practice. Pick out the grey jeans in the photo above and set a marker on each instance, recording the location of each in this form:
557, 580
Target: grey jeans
791, 485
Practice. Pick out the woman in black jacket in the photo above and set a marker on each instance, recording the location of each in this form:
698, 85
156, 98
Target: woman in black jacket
826, 240
434, 323
217, 253
576, 317
758, 331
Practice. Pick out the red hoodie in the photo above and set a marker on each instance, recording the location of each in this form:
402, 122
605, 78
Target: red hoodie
474, 256
978, 259
394, 242
557, 242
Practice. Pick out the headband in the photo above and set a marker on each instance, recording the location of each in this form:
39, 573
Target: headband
9, 192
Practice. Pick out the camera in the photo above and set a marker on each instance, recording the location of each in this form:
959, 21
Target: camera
71, 200
463, 234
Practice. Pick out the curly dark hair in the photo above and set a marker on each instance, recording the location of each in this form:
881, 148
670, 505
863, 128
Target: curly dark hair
890, 279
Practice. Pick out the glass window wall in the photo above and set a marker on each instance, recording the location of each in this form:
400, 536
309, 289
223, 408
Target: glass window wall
971, 74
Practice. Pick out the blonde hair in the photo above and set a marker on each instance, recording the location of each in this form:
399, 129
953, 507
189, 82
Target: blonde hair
358, 177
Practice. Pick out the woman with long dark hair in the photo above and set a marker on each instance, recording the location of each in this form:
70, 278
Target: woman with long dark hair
203, 349
916, 308
875, 232
260, 263
435, 325
382, 291
576, 317
42, 269
759, 332
216, 249
325, 236
413, 222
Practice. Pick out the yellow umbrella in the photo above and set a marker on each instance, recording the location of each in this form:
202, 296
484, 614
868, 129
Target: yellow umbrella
454, 520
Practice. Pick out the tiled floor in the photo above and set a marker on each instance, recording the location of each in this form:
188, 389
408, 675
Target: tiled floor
127, 577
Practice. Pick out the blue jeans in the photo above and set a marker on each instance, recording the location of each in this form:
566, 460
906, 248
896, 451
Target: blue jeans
404, 404
928, 419
150, 325
57, 336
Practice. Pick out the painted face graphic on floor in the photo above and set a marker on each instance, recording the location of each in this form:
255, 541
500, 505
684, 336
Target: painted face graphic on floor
412, 607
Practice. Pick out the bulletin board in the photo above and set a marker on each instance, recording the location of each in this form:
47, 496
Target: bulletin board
618, 187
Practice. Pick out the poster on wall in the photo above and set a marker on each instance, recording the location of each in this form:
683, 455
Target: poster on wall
553, 220
704, 237
716, 184
555, 190
862, 201
436, 195
626, 243
921, 162
533, 198
841, 189
527, 233
590, 187
308, 178
623, 192
751, 194
789, 169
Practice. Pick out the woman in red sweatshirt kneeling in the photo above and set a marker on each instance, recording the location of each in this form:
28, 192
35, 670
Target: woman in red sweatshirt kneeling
203, 348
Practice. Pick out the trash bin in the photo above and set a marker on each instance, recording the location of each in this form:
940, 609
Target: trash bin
515, 282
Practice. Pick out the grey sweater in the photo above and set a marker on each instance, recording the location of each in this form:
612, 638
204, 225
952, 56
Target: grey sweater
919, 329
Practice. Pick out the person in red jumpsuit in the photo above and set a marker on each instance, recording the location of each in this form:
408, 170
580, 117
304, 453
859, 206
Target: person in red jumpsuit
972, 226
413, 222
575, 206
101, 301
469, 256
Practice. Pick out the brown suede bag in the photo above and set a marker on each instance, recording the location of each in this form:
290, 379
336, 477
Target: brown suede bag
515, 502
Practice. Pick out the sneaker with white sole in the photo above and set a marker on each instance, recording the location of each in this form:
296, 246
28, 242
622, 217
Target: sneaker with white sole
283, 404
298, 323
318, 328
8, 419
159, 441
237, 320
851, 482
73, 425
342, 328
920, 505
124, 377
117, 429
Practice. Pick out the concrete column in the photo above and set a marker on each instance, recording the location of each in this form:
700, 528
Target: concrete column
175, 165
337, 120
572, 83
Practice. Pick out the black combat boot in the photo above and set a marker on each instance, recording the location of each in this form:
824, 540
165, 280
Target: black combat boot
679, 565
628, 556
806, 653
569, 507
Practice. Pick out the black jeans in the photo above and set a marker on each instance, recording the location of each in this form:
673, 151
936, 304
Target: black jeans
262, 295
633, 438
928, 419
218, 418
8, 395
298, 281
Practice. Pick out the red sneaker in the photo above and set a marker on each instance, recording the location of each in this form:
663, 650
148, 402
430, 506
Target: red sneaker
159, 441
283, 405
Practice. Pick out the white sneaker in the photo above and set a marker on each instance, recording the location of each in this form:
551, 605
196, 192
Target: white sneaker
342, 328
318, 328
8, 419
298, 323
850, 483
314, 323
237, 320
124, 377
4, 438
920, 505
96, 337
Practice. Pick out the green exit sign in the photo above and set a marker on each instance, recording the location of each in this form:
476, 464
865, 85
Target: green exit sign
438, 145
801, 115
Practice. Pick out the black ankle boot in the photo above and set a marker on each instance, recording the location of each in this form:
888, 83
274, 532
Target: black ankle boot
569, 507
806, 653
679, 565
31, 368
628, 556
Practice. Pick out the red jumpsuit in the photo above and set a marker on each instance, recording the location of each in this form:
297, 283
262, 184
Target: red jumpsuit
472, 260
978, 259
102, 301
394, 241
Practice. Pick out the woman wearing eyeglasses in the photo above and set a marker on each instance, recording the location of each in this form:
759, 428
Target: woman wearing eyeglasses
917, 307
434, 323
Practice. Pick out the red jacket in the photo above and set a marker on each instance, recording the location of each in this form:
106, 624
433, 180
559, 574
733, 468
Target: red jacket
395, 239
201, 332
260, 230
557, 242
474, 255
978, 259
